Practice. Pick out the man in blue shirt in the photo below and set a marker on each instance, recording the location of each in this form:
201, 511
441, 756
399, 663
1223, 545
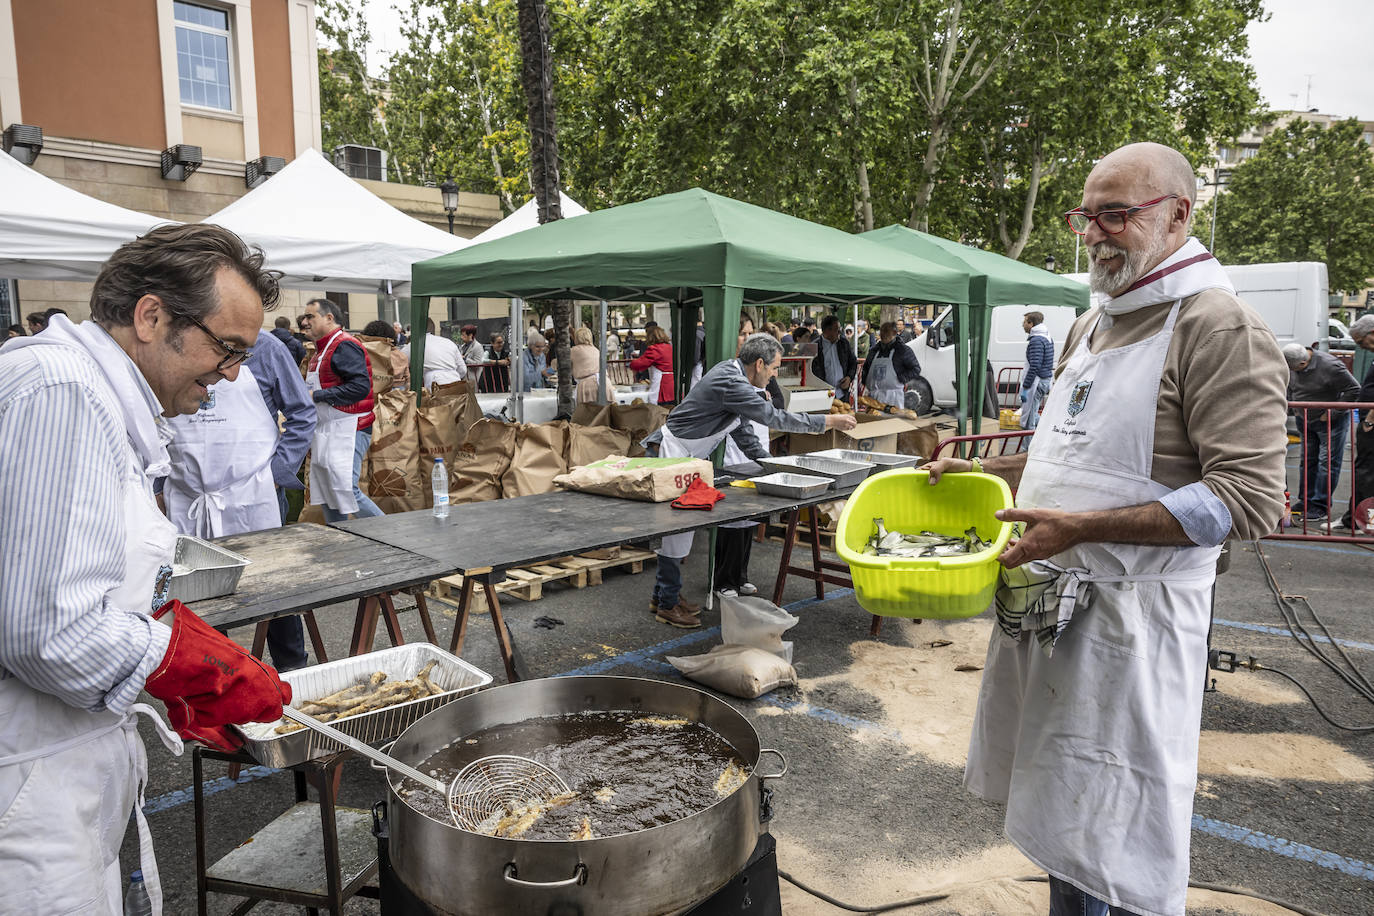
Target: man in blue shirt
282, 332
1035, 384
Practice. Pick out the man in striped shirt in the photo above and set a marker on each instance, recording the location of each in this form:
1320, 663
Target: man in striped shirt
85, 558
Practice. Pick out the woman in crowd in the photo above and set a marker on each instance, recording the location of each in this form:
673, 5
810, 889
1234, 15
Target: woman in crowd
657, 360
586, 365
497, 378
535, 362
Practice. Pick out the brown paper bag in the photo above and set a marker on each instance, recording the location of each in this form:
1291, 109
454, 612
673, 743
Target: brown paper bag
394, 480
638, 420
380, 351
540, 456
592, 415
480, 462
919, 441
595, 443
648, 479
465, 407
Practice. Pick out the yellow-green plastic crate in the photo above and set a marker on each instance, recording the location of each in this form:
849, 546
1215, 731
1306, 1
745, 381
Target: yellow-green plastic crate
938, 588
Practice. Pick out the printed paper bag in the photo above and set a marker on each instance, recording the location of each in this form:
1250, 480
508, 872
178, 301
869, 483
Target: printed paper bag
481, 460
647, 479
393, 478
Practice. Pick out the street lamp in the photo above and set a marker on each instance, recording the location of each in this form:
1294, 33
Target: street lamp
449, 192
1219, 178
1049, 263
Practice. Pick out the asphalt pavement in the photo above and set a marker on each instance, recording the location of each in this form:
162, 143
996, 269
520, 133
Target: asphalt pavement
872, 809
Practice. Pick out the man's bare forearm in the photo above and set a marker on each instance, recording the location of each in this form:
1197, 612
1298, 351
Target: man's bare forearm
1151, 524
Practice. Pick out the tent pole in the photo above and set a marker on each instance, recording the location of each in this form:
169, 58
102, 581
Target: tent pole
602, 385
419, 314
517, 359
961, 365
854, 346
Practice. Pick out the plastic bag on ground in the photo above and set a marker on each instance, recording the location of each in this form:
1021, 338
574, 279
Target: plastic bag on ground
757, 623
741, 671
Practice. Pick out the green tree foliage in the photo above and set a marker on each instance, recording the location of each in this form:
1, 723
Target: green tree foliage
350, 99
1308, 195
978, 120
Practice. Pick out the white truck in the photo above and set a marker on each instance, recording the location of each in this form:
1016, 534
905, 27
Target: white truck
1290, 297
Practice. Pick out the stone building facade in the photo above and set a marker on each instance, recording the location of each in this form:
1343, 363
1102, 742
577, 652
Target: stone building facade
114, 83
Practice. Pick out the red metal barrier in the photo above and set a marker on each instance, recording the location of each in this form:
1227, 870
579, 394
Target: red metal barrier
1009, 386
1318, 416
1007, 442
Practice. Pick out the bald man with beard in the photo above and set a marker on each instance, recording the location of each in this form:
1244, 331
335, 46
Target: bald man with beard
1162, 437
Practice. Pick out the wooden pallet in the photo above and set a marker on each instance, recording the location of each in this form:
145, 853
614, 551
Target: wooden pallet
527, 582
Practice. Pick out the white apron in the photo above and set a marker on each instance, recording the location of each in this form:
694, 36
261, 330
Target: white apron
331, 451
74, 776
882, 382
221, 480
655, 380
735, 455
679, 545
1094, 750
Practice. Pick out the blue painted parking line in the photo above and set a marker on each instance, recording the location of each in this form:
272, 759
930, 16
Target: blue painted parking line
1279, 846
1261, 628
1308, 545
211, 787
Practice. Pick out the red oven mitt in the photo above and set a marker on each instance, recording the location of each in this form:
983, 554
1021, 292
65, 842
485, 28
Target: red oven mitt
700, 495
208, 681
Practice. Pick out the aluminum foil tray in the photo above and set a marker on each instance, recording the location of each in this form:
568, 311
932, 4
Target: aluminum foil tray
455, 676
881, 461
202, 570
845, 473
795, 485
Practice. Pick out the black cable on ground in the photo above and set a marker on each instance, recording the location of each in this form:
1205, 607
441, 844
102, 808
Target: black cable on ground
881, 908
1350, 673
932, 898
1218, 888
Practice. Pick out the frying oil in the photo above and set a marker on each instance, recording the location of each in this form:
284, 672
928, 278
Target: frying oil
629, 771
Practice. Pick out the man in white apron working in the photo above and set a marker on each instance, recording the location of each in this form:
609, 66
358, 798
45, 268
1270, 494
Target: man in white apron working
725, 402
85, 557
340, 380
835, 361
230, 463
1141, 467
889, 366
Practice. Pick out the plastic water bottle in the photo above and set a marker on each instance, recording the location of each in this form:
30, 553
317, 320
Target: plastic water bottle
439, 482
136, 902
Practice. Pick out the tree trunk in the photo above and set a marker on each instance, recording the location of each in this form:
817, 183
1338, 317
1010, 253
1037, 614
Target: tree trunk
484, 102
920, 211
865, 203
536, 78
1014, 247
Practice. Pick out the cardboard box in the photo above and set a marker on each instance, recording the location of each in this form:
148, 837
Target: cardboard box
873, 434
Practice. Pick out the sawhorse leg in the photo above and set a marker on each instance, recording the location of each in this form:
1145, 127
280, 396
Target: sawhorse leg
460, 627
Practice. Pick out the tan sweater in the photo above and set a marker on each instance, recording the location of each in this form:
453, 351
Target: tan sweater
1222, 402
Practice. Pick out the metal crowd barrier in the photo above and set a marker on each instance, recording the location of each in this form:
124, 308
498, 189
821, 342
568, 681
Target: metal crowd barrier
1319, 415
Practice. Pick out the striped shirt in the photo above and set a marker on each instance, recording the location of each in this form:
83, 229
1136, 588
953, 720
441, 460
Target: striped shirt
64, 462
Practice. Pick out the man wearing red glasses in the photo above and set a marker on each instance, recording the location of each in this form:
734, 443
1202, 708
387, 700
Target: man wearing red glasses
1162, 437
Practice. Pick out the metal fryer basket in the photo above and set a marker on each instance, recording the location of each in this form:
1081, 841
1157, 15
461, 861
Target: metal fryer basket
455, 676
211, 571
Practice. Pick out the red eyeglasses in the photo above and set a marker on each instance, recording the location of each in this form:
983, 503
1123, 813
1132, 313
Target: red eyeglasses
1112, 222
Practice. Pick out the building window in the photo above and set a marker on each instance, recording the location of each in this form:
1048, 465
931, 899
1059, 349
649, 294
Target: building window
1369, 138
203, 55
9, 305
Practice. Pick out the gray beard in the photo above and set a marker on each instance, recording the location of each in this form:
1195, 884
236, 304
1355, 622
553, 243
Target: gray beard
1133, 265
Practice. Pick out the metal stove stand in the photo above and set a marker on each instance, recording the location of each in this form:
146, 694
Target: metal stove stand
315, 855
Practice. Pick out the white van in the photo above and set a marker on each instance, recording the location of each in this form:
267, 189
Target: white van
934, 348
1291, 297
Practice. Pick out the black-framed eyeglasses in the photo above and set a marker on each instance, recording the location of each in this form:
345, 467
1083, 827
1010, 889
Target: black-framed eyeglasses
236, 354
1112, 222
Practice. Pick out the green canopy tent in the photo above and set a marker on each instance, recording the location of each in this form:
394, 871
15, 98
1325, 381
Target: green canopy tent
695, 250
993, 280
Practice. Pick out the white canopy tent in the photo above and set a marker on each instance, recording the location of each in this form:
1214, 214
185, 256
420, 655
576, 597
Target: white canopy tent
49, 231
527, 217
323, 230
